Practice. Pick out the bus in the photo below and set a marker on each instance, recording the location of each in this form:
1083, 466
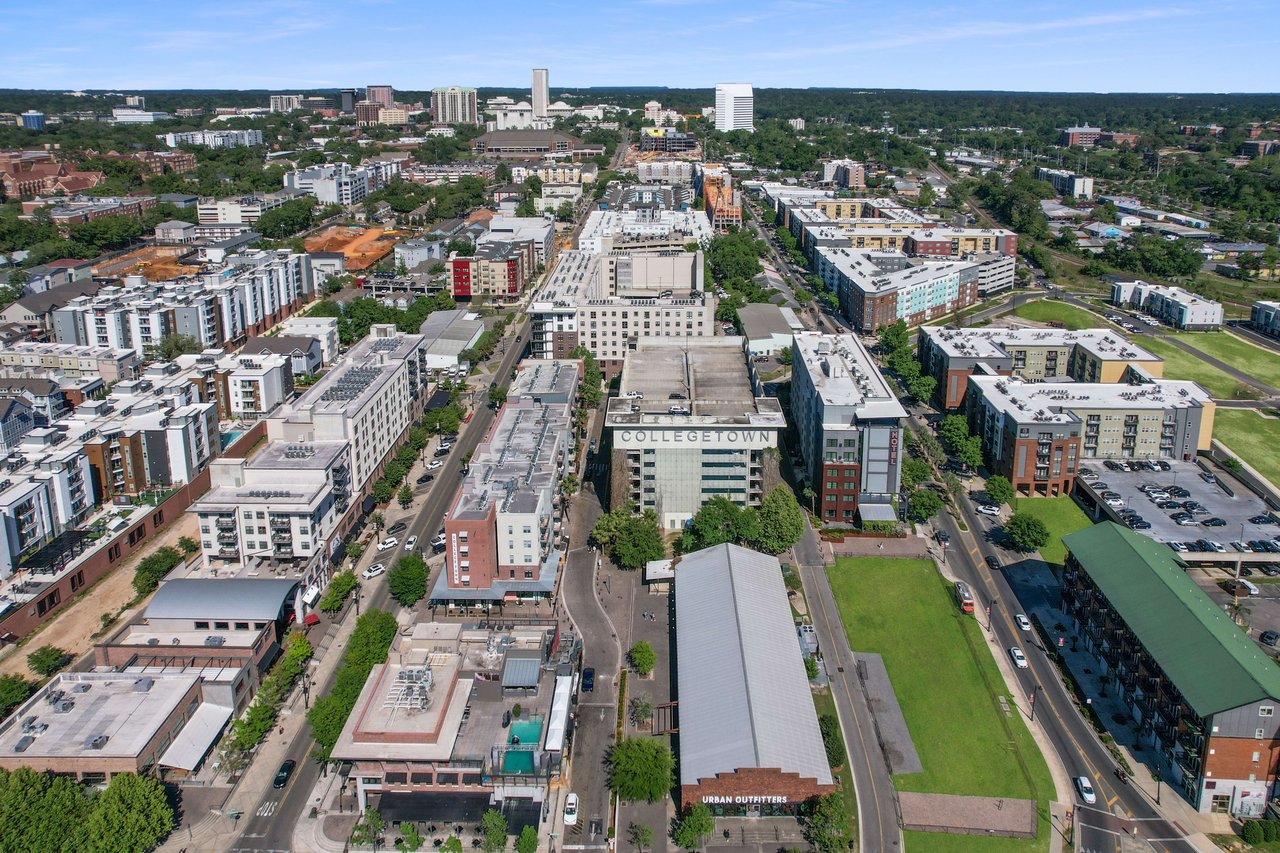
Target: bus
964, 597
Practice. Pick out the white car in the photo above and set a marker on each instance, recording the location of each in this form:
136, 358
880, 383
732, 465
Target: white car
445, 445
373, 571
1084, 787
435, 465
438, 543
1115, 502
571, 810
411, 543
388, 543
1019, 659
988, 509
1024, 624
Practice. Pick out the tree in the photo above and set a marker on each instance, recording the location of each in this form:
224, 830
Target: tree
527, 841
694, 828
810, 668
355, 548
133, 813
781, 521
188, 545
914, 472
14, 690
1026, 532
894, 337
953, 431
640, 835
922, 387
639, 709
452, 844
369, 829
640, 768
407, 580
568, 485
785, 356
832, 739
642, 658
999, 490
827, 826
717, 521
608, 526
167, 349
928, 195
924, 505
497, 396
378, 521
638, 542
410, 839
152, 569
969, 451
493, 828
47, 660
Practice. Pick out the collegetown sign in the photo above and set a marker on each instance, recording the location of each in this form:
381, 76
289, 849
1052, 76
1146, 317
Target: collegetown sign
720, 437
747, 800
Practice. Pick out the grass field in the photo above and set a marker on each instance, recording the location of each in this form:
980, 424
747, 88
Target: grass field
1252, 438
1261, 363
1183, 365
946, 683
1062, 516
1051, 310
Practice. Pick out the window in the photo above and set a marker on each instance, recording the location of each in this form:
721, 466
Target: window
202, 626
1256, 756
1266, 711
242, 626
221, 626
1258, 733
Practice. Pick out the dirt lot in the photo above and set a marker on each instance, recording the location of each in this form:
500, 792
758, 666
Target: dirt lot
363, 247
73, 628
157, 263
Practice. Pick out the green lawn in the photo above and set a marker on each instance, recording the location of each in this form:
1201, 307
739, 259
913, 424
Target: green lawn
1051, 310
1183, 365
1259, 362
946, 683
1251, 437
1062, 516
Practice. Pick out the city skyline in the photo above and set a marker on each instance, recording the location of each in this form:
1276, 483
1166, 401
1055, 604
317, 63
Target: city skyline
1093, 47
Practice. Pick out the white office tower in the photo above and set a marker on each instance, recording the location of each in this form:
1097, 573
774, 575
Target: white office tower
735, 107
540, 94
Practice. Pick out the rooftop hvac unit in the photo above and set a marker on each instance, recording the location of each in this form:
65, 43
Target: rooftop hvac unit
82, 687
144, 684
215, 641
96, 742
63, 706
23, 742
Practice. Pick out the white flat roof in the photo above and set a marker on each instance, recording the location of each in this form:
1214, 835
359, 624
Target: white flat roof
843, 374
1053, 402
995, 342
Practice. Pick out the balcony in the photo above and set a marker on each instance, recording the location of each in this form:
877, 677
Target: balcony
228, 553
227, 536
226, 523
281, 537
284, 552
280, 522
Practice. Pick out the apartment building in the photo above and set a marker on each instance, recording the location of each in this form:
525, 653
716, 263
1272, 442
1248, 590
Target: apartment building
304, 353
527, 144
667, 140
333, 183
370, 400
65, 212
1180, 308
240, 210
846, 174
34, 358
642, 229
878, 289
1264, 318
687, 427
498, 270
1066, 182
279, 509
607, 302
1200, 692
996, 272
213, 138
951, 356
519, 229
126, 115
849, 423
735, 107
255, 384
720, 198
284, 103
666, 172
958, 242
454, 105
323, 329
1035, 433
554, 172
505, 528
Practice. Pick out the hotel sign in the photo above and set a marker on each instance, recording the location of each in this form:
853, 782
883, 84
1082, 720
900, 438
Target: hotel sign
636, 439
745, 800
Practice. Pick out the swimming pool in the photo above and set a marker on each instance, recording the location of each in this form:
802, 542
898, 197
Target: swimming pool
524, 739
526, 731
229, 437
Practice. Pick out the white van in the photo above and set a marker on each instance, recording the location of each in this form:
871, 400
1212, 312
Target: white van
1250, 585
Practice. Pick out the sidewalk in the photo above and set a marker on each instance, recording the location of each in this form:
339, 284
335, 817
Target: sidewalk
218, 831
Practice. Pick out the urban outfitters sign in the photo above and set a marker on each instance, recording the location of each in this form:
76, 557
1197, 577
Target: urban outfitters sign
636, 439
745, 800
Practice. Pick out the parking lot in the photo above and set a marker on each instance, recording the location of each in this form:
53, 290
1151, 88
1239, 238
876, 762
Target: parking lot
1216, 502
1261, 612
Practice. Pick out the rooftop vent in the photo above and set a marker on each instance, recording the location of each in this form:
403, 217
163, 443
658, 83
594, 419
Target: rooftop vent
144, 684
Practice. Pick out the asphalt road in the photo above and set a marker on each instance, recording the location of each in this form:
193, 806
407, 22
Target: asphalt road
270, 827
812, 314
1071, 736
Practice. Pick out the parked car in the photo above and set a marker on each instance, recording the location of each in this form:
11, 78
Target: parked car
373, 571
1167, 504
1100, 486
1269, 638
1024, 624
1115, 502
437, 544
988, 509
1084, 788
1214, 522
588, 679
283, 774
397, 527
445, 445
411, 543
993, 563
1262, 519
571, 810
425, 478
1179, 547
1141, 524
1270, 570
1019, 659
388, 543
435, 465
1207, 477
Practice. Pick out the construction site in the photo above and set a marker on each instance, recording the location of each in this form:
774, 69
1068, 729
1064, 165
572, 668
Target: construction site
157, 263
362, 247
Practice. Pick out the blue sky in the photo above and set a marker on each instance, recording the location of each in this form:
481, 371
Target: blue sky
1222, 46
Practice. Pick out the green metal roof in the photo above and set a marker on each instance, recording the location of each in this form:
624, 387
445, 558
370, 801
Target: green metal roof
1209, 659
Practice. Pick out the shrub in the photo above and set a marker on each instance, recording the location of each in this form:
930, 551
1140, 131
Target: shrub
152, 569
832, 739
810, 668
1271, 830
366, 647
47, 660
1251, 831
339, 588
642, 658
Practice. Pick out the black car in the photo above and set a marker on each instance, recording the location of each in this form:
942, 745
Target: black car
1127, 511
283, 774
426, 478
588, 680
396, 528
1269, 638
441, 452
993, 564
1178, 492
1169, 505
944, 537
1112, 465
1214, 522
1270, 570
1262, 519
1246, 572
1139, 524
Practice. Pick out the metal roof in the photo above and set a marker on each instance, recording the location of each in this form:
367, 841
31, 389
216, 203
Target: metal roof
222, 598
1214, 665
744, 698
521, 670
197, 737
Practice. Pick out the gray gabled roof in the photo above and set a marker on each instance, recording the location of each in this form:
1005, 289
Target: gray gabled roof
225, 599
744, 698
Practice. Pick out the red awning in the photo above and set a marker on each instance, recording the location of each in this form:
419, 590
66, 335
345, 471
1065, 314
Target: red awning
509, 596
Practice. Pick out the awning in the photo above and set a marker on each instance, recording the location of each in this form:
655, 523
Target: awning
877, 512
309, 597
197, 737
